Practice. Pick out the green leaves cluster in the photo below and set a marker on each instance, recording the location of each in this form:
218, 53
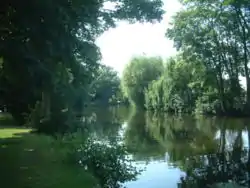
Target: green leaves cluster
217, 34
105, 87
108, 162
213, 38
173, 86
137, 75
178, 87
49, 54
171, 91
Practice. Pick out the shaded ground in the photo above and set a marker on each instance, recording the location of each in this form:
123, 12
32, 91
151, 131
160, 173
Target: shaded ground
32, 161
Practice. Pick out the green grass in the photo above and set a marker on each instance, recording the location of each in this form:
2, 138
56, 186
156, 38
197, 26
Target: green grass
28, 160
8, 132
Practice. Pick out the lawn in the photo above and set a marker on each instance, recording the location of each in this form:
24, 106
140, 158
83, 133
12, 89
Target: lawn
36, 161
12, 132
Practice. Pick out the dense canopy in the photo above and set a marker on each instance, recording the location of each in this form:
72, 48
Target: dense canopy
206, 76
48, 52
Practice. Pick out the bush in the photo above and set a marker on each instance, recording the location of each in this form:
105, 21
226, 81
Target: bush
208, 103
6, 119
59, 121
107, 161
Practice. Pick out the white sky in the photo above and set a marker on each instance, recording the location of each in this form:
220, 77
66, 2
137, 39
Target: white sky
120, 44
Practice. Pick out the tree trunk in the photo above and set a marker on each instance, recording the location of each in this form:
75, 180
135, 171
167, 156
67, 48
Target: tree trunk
245, 56
45, 105
248, 161
221, 90
246, 69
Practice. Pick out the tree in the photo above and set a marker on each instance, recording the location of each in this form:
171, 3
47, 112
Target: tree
228, 161
106, 86
138, 139
179, 86
216, 33
49, 55
138, 73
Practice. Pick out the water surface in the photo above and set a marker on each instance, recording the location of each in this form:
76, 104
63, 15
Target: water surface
177, 151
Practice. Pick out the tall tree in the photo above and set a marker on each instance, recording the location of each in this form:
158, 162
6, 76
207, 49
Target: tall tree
106, 85
138, 73
48, 48
212, 33
178, 87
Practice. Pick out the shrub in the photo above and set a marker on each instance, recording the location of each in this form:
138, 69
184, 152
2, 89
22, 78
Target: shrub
108, 161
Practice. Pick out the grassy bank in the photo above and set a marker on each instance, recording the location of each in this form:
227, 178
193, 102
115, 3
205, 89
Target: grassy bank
34, 161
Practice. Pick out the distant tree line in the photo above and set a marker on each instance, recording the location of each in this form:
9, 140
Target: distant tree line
213, 39
105, 88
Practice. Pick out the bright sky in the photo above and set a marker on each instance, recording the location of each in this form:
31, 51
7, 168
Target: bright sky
120, 44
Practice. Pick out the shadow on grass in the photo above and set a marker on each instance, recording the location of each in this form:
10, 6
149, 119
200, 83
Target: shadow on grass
35, 161
9, 163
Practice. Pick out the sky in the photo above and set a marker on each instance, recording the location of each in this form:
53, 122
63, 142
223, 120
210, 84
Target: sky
118, 45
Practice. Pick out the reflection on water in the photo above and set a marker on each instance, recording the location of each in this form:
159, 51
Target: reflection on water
181, 151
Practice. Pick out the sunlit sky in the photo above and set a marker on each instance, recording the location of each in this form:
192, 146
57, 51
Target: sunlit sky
120, 44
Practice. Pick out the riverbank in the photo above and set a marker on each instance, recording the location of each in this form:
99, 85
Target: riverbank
33, 161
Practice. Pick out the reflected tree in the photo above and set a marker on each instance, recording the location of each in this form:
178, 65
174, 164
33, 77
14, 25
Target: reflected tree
138, 139
229, 165
181, 136
105, 122
210, 150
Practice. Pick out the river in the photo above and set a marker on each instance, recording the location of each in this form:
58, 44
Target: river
176, 151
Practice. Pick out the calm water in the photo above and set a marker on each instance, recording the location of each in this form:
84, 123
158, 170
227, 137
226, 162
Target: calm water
181, 151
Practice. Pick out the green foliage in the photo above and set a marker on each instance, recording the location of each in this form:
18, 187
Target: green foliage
69, 160
187, 86
208, 103
180, 136
66, 120
178, 88
37, 161
137, 138
138, 73
216, 33
182, 85
154, 95
6, 119
105, 88
56, 66
108, 162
